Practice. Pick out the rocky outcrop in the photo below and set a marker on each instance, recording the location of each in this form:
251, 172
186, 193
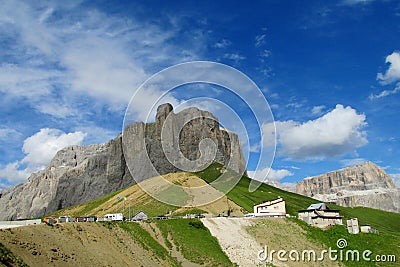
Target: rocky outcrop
78, 174
189, 141
360, 185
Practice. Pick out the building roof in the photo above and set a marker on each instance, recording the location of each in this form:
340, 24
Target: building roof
269, 203
318, 206
326, 217
139, 212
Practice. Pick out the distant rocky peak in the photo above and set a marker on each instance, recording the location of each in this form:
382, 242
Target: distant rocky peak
363, 176
364, 184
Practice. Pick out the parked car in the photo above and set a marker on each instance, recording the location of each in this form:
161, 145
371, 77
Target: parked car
80, 219
91, 218
50, 220
199, 216
162, 217
64, 219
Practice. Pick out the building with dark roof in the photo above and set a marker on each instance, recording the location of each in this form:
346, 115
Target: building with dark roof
320, 215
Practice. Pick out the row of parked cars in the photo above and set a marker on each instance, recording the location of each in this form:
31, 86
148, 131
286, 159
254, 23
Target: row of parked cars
65, 219
110, 217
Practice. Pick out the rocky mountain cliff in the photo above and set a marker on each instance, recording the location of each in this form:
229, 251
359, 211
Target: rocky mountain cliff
78, 174
360, 185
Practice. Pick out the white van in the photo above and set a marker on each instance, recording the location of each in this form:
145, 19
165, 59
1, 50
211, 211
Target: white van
114, 217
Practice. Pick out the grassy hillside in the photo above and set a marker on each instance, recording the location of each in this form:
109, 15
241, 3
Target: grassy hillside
386, 222
142, 201
194, 241
240, 193
7, 258
239, 198
175, 233
112, 244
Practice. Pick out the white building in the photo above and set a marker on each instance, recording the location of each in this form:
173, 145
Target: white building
366, 229
320, 215
352, 226
274, 208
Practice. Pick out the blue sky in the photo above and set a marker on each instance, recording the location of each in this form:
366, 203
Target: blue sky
330, 71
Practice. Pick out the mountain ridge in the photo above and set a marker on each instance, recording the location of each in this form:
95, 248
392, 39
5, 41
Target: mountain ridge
363, 184
78, 174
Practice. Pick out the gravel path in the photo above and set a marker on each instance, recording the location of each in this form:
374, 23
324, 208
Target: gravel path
240, 247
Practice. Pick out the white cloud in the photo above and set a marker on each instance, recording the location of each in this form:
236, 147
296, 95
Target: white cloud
393, 73
234, 56
6, 133
336, 133
84, 52
59, 110
13, 174
260, 40
222, 44
317, 110
385, 93
26, 82
101, 68
269, 174
255, 148
352, 162
355, 2
266, 53
39, 149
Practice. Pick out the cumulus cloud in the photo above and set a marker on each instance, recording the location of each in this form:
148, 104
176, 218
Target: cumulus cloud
39, 149
13, 173
393, 73
269, 174
335, 133
391, 76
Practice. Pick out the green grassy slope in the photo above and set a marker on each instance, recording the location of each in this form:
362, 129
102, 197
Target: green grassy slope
382, 244
240, 193
7, 258
387, 242
190, 237
387, 222
194, 241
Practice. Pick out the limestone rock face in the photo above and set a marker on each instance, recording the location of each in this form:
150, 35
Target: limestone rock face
360, 185
188, 141
78, 174
75, 175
